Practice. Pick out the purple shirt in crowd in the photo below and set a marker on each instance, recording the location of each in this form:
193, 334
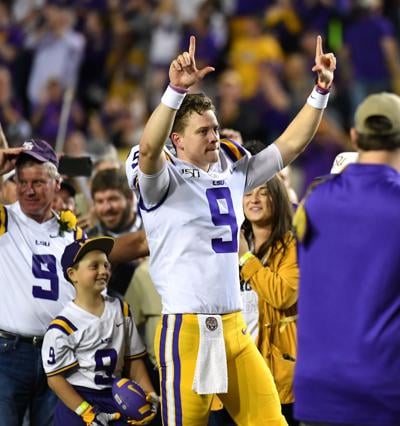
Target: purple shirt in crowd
348, 364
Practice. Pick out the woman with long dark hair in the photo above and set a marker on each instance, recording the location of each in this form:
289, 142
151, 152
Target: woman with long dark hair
269, 282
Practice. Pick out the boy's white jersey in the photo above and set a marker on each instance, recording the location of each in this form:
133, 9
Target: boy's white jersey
91, 350
33, 287
193, 231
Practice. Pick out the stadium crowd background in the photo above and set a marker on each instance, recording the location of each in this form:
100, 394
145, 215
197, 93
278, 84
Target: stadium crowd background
112, 56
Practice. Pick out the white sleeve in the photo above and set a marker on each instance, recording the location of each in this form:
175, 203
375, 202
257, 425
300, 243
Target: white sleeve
135, 347
57, 354
263, 166
153, 188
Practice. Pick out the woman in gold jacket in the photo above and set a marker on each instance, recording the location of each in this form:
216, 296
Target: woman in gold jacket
270, 276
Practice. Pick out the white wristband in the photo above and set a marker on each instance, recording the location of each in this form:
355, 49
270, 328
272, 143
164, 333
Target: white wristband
318, 98
173, 98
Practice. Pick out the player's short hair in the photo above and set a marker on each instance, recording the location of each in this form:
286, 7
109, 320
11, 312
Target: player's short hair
111, 179
193, 102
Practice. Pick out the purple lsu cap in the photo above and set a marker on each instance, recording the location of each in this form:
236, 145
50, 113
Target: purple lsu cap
40, 150
74, 252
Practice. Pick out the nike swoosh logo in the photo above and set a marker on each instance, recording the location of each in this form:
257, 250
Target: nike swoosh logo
53, 236
119, 324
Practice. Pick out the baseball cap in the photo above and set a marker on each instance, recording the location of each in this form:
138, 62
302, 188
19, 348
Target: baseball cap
40, 150
74, 252
342, 160
379, 104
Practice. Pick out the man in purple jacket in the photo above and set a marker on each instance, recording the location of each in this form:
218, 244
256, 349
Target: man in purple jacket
348, 364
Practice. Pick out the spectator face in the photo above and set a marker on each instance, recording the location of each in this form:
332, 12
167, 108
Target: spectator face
64, 201
36, 190
230, 86
113, 209
257, 206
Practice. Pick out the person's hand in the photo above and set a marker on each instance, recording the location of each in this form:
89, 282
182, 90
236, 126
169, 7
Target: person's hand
243, 244
103, 419
153, 399
85, 221
94, 417
325, 65
144, 421
8, 158
183, 72
232, 134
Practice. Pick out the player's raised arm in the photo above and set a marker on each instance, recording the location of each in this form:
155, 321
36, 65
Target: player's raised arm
303, 127
183, 74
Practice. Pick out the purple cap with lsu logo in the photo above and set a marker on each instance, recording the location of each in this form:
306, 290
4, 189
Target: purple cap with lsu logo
74, 252
40, 150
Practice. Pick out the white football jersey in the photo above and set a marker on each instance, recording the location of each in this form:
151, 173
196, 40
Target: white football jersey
193, 232
33, 287
88, 349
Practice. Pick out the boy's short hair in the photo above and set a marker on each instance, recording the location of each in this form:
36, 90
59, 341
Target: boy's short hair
75, 251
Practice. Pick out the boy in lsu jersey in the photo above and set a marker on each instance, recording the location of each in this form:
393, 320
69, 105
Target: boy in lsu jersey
91, 342
191, 206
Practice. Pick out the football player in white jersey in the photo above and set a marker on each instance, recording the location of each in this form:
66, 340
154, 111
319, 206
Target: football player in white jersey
33, 288
92, 341
191, 206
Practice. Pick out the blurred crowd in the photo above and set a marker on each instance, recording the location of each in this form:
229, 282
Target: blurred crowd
85, 74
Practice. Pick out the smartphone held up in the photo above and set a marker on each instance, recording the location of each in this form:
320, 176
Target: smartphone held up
75, 166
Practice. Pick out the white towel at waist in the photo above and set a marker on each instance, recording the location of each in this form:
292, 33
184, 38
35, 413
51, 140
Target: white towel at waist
211, 374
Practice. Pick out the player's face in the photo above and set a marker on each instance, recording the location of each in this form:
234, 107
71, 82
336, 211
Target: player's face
113, 209
200, 140
257, 206
36, 191
92, 273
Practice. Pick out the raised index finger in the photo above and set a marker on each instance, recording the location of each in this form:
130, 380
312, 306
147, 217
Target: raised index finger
318, 48
192, 46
